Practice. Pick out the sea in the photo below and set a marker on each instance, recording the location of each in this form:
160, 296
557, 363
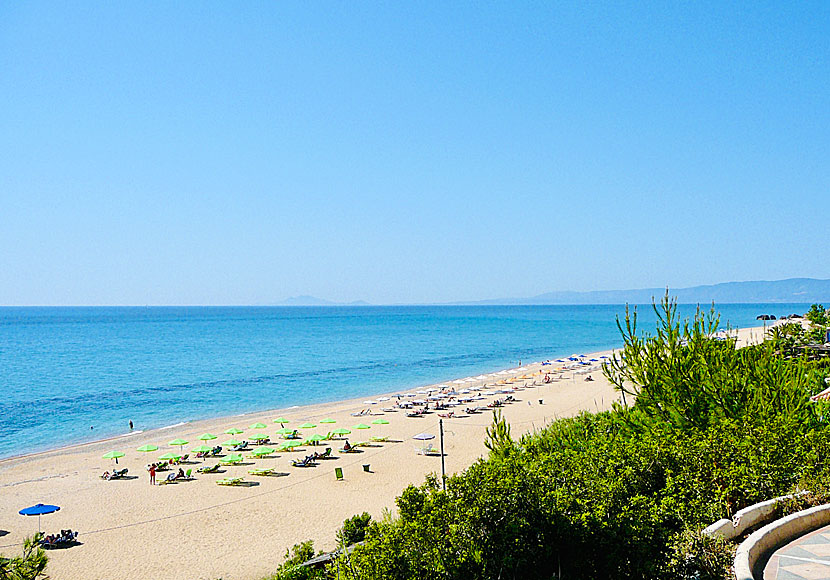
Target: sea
76, 374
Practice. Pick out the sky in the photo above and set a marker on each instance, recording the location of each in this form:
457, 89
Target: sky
243, 153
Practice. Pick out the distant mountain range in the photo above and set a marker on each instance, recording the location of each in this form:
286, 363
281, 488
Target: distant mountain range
793, 290
805, 290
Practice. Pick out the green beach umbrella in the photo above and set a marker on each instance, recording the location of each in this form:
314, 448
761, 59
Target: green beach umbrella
380, 422
341, 431
233, 458
281, 420
285, 431
233, 431
259, 436
289, 444
361, 426
263, 451
258, 426
328, 421
314, 438
169, 456
113, 455
307, 426
178, 443
148, 448
231, 442
207, 437
202, 449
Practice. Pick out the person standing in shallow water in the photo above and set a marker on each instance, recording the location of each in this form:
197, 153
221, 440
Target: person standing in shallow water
131, 424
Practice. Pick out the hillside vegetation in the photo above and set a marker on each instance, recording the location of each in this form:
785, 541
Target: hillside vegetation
707, 430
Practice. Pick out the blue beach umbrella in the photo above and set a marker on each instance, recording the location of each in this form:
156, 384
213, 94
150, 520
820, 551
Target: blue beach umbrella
38, 510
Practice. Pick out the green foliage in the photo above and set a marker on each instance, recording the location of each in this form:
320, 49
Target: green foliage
30, 565
699, 557
354, 529
498, 441
818, 315
290, 569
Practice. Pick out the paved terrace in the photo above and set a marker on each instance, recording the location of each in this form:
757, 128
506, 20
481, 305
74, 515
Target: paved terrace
807, 557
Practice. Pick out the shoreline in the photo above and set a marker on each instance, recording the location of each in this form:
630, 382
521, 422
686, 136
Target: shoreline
247, 529
220, 418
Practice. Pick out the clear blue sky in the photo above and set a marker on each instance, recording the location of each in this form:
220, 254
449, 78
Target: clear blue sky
242, 153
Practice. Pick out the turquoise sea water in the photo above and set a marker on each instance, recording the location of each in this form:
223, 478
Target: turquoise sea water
63, 370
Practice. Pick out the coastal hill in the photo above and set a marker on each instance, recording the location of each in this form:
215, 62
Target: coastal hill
793, 290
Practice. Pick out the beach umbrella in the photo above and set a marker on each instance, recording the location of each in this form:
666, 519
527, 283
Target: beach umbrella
262, 451
314, 438
202, 449
291, 444
39, 510
148, 448
307, 426
113, 455
259, 436
207, 437
380, 422
424, 436
328, 421
178, 442
285, 431
169, 456
233, 431
341, 431
258, 426
233, 458
361, 426
231, 442
281, 420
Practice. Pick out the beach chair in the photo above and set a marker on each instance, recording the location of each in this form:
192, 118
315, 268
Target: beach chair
229, 481
426, 450
305, 462
171, 478
188, 475
325, 455
212, 469
260, 471
338, 473
380, 439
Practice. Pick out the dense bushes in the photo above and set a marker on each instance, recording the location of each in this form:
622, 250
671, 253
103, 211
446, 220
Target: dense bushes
623, 494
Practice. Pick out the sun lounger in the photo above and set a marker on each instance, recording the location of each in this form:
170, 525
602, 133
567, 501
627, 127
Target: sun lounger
116, 474
305, 462
379, 439
171, 478
260, 471
349, 450
229, 481
428, 450
211, 469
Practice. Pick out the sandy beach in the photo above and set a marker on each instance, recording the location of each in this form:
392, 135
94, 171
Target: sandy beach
198, 529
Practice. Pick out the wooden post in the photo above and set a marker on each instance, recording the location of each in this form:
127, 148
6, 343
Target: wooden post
443, 469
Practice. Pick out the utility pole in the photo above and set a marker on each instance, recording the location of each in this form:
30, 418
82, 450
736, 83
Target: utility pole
443, 469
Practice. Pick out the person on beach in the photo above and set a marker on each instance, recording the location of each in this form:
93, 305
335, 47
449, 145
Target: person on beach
131, 424
153, 474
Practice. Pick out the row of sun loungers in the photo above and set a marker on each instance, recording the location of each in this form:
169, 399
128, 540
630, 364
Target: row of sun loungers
65, 538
